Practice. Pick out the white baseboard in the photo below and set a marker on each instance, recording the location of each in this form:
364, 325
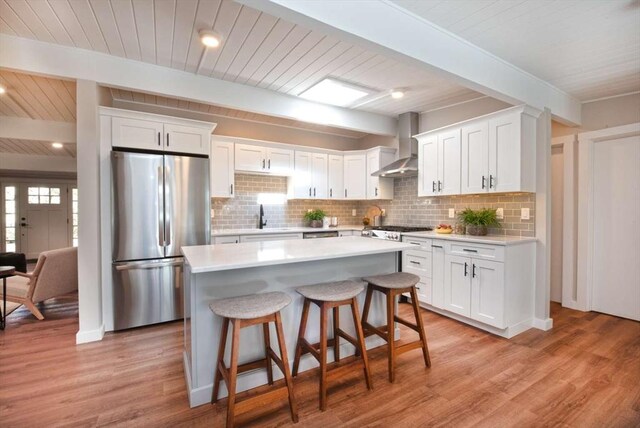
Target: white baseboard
541, 324
90, 335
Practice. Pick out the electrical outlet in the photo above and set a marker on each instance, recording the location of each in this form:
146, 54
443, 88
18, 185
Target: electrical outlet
452, 213
500, 213
353, 213
383, 212
309, 210
524, 214
213, 213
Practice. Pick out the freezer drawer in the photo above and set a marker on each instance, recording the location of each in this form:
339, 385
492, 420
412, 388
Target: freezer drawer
147, 292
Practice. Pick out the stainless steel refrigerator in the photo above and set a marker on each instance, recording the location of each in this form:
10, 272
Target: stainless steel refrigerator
160, 203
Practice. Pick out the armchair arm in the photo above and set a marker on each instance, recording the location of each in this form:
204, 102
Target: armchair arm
26, 275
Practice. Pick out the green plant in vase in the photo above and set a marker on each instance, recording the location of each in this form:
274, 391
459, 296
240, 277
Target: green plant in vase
478, 222
314, 217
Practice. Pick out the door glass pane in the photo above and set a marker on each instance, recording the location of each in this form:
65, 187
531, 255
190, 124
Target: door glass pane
10, 193
33, 191
55, 199
33, 200
55, 191
44, 199
10, 207
74, 216
10, 218
44, 191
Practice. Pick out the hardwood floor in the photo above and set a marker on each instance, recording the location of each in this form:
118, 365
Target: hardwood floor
585, 372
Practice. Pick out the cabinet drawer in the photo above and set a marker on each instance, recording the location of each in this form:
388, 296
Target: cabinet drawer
231, 239
417, 262
423, 289
423, 243
478, 251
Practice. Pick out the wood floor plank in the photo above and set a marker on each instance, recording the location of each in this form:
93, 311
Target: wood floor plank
583, 373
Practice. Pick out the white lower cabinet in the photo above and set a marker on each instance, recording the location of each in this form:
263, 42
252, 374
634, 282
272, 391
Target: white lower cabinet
232, 239
467, 281
270, 237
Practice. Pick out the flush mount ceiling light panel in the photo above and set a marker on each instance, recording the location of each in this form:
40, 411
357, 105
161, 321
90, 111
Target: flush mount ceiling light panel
57, 145
397, 93
335, 92
209, 38
2, 89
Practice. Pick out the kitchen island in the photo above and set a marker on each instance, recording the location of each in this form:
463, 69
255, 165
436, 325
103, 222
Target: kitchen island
220, 271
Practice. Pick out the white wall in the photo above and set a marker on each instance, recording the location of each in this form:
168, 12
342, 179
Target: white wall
457, 113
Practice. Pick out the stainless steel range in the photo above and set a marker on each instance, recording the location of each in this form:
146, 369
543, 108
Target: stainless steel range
391, 233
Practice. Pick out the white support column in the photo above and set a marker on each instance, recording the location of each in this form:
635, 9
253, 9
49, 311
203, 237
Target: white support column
542, 319
89, 279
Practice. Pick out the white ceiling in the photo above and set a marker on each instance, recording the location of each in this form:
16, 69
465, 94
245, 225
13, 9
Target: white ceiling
258, 49
588, 48
33, 147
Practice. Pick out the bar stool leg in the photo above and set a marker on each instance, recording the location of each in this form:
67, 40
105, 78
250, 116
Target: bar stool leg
361, 345
267, 345
219, 360
420, 324
336, 337
285, 362
233, 373
301, 332
323, 356
367, 304
391, 334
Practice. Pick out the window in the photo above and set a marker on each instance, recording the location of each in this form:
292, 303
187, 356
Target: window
10, 218
43, 195
74, 216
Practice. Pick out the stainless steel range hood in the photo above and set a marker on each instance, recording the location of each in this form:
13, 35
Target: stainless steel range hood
407, 164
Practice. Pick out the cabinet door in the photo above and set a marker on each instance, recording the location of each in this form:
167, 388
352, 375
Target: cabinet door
186, 139
302, 176
487, 292
424, 291
355, 176
222, 173
250, 158
373, 164
457, 284
336, 176
428, 166
279, 161
504, 154
226, 240
475, 158
137, 134
319, 173
271, 237
449, 163
437, 274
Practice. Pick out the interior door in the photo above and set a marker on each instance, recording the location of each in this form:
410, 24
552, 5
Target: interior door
457, 285
616, 236
43, 218
449, 159
428, 171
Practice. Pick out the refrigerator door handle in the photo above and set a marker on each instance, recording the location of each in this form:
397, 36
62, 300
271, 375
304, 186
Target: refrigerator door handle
139, 265
167, 208
161, 208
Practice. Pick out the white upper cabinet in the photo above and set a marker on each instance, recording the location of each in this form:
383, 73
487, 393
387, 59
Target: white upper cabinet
264, 160
145, 131
379, 187
309, 180
355, 176
335, 178
222, 169
320, 172
439, 164
495, 152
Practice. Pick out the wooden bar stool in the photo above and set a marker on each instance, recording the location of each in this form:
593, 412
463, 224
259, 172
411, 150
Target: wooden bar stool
245, 311
327, 296
392, 285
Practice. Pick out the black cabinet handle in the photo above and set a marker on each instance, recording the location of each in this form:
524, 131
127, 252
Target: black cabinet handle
331, 193
167, 139
433, 186
232, 189
269, 163
468, 250
345, 193
414, 262
159, 143
376, 191
314, 192
263, 163
439, 186
466, 267
483, 181
473, 270
491, 181
309, 191
436, 246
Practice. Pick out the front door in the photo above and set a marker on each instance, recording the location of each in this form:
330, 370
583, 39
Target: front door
43, 218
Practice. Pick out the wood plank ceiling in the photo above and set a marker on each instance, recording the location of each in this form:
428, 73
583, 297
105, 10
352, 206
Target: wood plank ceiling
588, 48
258, 49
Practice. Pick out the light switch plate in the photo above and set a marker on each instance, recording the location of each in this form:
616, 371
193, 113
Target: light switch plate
500, 213
309, 210
524, 214
353, 213
452, 213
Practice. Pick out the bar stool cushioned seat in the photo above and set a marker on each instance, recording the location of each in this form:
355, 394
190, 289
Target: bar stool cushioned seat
250, 307
332, 291
394, 280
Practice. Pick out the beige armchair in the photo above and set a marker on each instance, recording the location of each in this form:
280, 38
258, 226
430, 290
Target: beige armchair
56, 273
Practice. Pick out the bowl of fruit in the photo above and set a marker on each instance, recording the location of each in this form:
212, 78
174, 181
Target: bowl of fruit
444, 229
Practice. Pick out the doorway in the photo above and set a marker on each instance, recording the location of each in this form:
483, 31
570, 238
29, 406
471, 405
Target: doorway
557, 207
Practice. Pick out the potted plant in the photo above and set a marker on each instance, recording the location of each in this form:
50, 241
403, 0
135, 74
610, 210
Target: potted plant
479, 221
314, 217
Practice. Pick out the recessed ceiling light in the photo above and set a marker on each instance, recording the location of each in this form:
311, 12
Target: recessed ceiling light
57, 145
336, 92
397, 93
209, 38
2, 89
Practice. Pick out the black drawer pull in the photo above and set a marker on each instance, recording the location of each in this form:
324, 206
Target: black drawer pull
414, 262
468, 250
436, 246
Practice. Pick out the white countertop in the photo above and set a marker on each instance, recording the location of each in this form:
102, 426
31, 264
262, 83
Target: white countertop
488, 239
211, 258
268, 231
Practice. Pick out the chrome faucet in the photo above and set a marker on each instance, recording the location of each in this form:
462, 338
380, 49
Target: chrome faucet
261, 222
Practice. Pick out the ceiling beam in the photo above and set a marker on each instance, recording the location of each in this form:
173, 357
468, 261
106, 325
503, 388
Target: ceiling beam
40, 163
72, 63
392, 31
32, 129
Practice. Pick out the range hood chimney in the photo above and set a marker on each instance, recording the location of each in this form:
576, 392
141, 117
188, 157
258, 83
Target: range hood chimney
407, 164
